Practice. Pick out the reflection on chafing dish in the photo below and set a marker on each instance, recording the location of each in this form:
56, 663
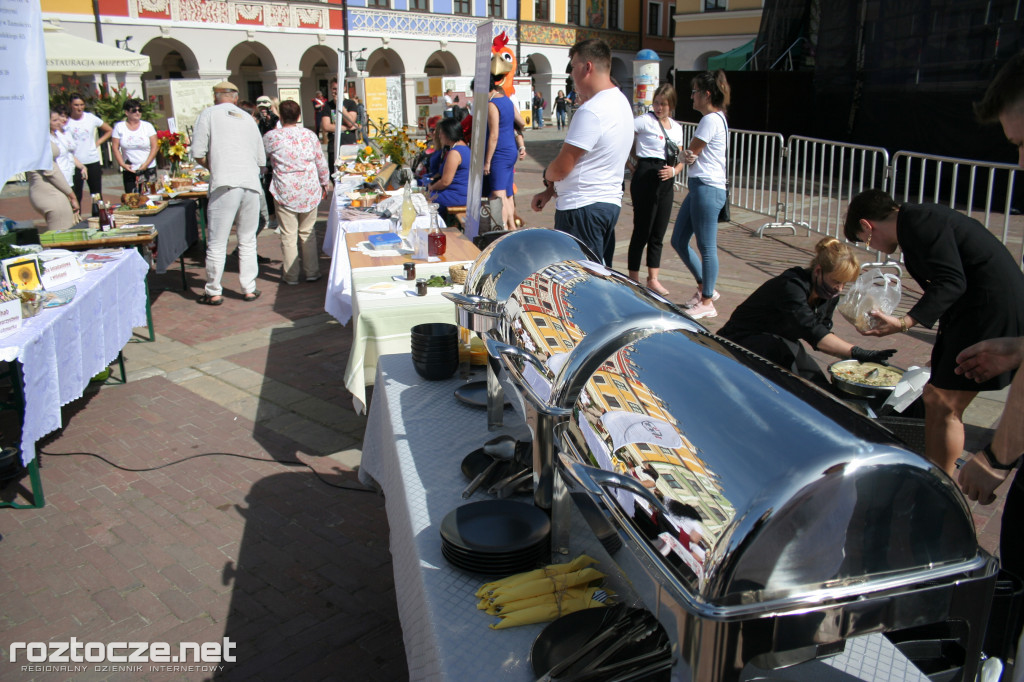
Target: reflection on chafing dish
738, 459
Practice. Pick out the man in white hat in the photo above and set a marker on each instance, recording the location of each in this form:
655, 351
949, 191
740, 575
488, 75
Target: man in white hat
227, 141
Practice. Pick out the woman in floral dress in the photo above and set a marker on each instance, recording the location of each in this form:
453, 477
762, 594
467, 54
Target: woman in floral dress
301, 180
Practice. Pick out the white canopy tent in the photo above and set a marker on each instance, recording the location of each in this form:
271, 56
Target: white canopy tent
66, 53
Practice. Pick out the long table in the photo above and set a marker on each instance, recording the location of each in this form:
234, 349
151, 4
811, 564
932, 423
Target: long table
416, 436
383, 317
61, 349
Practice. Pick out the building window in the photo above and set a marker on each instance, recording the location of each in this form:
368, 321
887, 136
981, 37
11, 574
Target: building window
654, 19
613, 14
574, 13
460, 7
421, 5
635, 408
494, 9
612, 402
671, 21
379, 4
672, 482
541, 11
715, 5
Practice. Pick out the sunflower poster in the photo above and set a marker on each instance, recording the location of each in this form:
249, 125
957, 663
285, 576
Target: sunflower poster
22, 272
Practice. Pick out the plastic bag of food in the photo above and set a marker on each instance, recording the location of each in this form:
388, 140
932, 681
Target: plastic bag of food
873, 290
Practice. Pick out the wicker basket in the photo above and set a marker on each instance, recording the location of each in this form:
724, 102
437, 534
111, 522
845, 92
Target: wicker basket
459, 273
119, 219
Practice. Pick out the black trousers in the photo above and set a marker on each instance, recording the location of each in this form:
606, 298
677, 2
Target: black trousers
95, 181
652, 207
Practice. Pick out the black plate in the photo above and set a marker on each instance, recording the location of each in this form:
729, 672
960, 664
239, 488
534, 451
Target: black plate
492, 569
567, 634
474, 394
477, 461
476, 557
491, 526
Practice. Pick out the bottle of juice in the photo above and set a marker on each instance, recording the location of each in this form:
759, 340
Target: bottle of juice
408, 211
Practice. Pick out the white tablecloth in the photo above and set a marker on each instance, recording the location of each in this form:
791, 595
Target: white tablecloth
416, 437
338, 302
61, 349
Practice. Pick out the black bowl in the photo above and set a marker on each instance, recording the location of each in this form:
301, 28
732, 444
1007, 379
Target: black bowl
435, 371
435, 330
430, 346
444, 355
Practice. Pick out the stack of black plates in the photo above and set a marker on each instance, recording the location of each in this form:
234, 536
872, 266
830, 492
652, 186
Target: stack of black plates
496, 537
598, 522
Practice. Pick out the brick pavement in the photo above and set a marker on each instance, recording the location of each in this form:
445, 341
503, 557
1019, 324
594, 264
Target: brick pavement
297, 573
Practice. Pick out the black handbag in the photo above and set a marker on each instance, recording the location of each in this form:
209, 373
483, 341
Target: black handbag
725, 216
671, 148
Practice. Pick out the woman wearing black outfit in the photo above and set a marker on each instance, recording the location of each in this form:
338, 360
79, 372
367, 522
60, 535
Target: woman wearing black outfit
651, 186
798, 305
972, 286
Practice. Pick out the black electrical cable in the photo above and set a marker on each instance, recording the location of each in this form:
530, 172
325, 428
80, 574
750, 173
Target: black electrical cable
287, 462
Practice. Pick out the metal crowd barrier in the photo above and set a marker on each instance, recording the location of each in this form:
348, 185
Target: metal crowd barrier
980, 189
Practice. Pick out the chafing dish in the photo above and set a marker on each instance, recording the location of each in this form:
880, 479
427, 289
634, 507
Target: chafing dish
767, 523
494, 276
560, 324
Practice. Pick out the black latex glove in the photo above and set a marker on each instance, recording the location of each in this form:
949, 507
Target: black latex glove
864, 355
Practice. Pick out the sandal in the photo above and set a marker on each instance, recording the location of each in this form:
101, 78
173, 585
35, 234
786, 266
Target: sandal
206, 299
252, 296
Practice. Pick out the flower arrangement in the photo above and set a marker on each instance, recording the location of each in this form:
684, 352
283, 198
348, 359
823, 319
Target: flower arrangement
173, 147
367, 154
396, 144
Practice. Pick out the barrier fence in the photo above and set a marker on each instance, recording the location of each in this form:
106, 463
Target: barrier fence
807, 183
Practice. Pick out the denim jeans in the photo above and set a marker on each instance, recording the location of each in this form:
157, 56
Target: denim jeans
594, 225
699, 216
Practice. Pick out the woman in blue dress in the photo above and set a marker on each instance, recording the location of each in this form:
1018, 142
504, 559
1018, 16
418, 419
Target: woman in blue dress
502, 150
453, 185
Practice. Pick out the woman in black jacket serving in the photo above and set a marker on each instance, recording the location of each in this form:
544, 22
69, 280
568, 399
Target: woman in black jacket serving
798, 305
972, 287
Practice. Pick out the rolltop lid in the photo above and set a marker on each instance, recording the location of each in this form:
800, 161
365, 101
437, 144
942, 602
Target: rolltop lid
760, 487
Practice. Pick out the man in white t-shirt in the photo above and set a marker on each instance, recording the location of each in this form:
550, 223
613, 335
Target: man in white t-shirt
586, 176
82, 127
227, 141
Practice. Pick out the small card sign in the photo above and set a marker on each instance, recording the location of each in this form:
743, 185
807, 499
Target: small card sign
10, 317
59, 271
22, 272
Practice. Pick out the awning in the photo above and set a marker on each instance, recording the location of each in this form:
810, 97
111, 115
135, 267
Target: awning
734, 59
66, 53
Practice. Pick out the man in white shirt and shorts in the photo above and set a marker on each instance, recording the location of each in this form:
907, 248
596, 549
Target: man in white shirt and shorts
227, 141
586, 176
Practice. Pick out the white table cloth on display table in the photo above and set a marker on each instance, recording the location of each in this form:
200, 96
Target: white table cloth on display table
61, 349
413, 454
338, 302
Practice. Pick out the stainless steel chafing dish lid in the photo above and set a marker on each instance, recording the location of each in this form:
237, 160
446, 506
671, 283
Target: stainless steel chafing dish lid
562, 321
747, 485
506, 262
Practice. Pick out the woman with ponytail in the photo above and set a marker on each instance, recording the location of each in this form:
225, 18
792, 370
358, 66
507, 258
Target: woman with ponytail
698, 215
799, 304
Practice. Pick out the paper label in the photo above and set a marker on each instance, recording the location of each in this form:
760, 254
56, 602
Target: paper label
10, 317
59, 271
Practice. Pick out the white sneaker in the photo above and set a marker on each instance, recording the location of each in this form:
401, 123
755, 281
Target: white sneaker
698, 296
702, 310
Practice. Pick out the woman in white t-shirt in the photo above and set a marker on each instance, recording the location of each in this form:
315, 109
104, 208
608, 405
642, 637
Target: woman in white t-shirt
651, 186
706, 183
65, 158
134, 146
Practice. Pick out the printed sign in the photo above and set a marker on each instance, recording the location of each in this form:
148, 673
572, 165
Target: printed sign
59, 271
10, 317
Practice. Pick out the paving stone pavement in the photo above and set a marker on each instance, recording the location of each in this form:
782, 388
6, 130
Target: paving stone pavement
259, 549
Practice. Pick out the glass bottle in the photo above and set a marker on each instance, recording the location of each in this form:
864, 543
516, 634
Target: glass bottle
103, 210
437, 241
408, 211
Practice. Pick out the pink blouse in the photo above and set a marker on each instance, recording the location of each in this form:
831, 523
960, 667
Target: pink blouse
300, 171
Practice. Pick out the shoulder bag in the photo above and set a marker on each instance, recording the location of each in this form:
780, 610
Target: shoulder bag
671, 148
725, 216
